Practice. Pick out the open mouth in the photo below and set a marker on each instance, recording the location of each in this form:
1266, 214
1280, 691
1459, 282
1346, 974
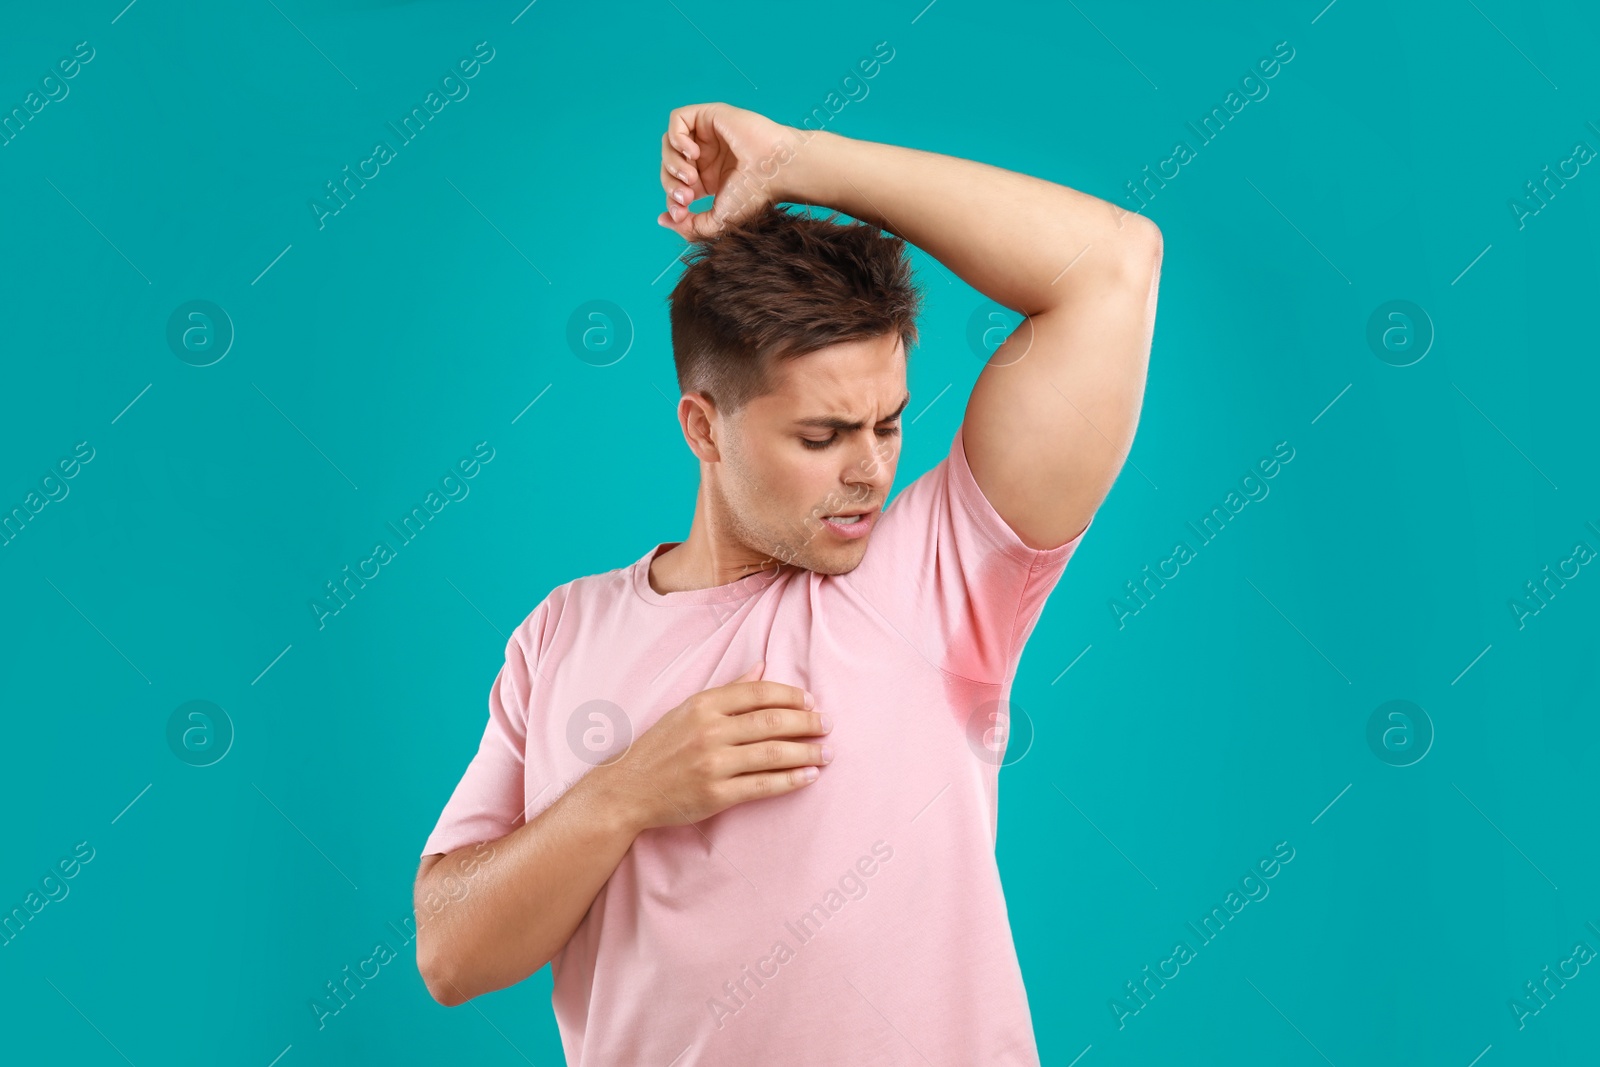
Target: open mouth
850, 523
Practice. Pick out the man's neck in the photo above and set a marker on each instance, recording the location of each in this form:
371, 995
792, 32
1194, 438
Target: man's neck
703, 561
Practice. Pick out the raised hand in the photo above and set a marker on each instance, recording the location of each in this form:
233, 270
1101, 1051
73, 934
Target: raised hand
722, 151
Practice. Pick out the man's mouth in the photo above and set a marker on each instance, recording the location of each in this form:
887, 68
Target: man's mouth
851, 523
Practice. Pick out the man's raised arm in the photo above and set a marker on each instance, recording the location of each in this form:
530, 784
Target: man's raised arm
1053, 414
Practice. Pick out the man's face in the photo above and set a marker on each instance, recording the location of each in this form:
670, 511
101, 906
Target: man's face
823, 444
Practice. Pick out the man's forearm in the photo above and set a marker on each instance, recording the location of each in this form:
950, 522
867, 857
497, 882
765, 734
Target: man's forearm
525, 902
1011, 236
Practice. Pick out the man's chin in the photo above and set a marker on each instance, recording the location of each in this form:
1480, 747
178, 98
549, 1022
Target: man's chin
841, 560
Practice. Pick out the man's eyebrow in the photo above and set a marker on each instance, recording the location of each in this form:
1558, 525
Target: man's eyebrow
834, 422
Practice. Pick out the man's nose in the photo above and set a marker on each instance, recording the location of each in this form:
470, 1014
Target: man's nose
872, 464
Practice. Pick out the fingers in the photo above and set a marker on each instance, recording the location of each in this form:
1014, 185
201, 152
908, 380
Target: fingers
681, 126
747, 787
687, 224
675, 165
679, 197
680, 177
670, 223
741, 696
769, 722
775, 755
675, 185
677, 191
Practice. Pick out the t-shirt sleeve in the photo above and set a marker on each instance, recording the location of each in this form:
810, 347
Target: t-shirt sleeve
488, 801
953, 578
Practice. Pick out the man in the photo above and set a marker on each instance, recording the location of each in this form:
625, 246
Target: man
742, 794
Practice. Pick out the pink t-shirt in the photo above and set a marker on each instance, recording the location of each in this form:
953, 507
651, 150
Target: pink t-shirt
857, 920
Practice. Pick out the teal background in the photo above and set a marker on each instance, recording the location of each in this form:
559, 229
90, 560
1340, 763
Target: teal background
431, 313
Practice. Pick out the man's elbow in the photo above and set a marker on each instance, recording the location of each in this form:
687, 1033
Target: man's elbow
1124, 258
1155, 241
1155, 232
438, 975
1141, 245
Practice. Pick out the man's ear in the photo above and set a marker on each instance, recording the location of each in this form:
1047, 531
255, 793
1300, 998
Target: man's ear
701, 423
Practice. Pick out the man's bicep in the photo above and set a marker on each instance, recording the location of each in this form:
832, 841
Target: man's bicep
1052, 417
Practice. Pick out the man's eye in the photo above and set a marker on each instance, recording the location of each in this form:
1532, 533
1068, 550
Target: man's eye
882, 431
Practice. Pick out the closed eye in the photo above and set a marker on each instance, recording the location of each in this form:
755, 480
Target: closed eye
883, 431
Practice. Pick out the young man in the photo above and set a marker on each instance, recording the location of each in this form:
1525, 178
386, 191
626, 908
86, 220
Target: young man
742, 794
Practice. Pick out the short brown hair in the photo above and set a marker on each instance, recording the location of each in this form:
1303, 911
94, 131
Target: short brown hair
778, 285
